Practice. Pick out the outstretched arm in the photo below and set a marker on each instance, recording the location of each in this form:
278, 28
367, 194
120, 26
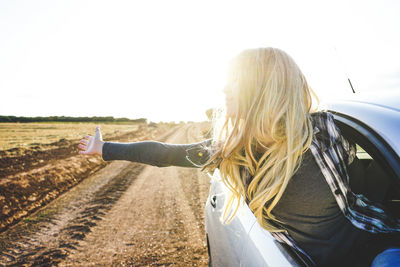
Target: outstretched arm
157, 153
147, 152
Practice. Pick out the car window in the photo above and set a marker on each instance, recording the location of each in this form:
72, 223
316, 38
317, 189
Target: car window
372, 172
361, 153
368, 177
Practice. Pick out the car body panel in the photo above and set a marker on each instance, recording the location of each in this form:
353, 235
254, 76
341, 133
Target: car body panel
372, 115
242, 242
264, 250
229, 239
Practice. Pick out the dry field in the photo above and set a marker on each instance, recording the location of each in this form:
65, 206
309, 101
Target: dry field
14, 135
39, 161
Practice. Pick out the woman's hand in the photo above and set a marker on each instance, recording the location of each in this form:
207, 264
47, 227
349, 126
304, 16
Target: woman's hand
90, 145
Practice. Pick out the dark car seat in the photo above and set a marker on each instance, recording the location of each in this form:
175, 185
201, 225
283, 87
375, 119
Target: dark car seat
368, 178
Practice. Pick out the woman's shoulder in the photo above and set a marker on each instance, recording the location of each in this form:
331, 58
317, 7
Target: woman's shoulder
325, 129
327, 134
322, 119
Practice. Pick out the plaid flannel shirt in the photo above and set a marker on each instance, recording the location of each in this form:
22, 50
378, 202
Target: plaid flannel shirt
333, 153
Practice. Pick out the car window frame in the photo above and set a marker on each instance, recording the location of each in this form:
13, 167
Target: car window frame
374, 144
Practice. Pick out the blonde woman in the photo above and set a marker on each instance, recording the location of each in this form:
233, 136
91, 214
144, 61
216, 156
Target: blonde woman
272, 151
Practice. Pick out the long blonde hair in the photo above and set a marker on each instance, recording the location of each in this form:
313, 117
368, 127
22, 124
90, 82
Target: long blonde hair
267, 136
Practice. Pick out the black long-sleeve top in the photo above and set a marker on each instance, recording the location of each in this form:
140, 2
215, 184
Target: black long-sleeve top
159, 154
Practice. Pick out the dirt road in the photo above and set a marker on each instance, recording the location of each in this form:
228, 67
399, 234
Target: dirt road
127, 214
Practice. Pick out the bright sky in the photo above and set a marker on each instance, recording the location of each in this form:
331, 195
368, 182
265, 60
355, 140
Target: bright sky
167, 60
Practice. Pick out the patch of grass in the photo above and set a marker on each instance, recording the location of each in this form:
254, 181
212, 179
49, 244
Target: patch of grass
41, 216
27, 134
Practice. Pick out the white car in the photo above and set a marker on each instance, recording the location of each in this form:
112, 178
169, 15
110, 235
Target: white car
373, 123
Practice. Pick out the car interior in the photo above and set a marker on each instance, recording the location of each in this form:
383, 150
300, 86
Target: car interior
371, 174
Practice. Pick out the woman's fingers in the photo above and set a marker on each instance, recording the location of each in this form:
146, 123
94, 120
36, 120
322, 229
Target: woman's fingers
83, 144
83, 141
90, 144
86, 139
82, 147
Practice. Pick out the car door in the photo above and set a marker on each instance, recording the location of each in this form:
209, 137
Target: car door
226, 241
242, 242
263, 250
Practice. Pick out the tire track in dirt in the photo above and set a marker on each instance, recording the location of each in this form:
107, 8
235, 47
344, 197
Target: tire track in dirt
57, 229
83, 219
198, 192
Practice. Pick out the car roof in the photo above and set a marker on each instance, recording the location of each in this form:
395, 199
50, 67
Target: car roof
379, 111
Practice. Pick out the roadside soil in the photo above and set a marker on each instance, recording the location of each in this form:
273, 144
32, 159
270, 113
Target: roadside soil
126, 214
32, 177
